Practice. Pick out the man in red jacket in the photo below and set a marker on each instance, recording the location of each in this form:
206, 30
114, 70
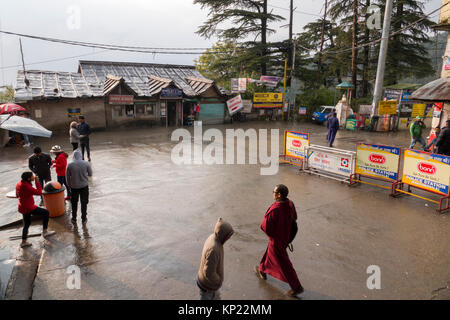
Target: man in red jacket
60, 164
25, 193
277, 225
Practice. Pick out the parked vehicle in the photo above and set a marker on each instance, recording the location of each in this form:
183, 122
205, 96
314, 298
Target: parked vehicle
319, 116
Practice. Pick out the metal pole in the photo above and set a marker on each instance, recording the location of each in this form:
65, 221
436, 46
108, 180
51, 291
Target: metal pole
382, 57
284, 89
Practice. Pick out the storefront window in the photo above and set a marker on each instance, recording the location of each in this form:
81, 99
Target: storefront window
150, 109
140, 108
117, 111
129, 110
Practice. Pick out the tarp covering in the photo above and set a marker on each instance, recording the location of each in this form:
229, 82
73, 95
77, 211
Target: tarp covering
24, 126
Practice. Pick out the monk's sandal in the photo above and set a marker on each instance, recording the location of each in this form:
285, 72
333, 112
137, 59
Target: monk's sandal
259, 273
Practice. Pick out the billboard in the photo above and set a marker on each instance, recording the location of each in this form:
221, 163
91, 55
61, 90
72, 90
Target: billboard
234, 105
378, 161
295, 144
267, 100
427, 171
387, 107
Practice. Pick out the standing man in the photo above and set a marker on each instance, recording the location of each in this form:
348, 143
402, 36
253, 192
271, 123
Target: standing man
40, 163
210, 273
443, 141
85, 130
333, 127
25, 193
277, 225
415, 130
77, 174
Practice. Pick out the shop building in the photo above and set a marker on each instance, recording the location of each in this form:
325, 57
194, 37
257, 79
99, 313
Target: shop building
114, 94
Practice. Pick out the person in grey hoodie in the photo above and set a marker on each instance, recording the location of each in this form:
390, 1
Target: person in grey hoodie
77, 174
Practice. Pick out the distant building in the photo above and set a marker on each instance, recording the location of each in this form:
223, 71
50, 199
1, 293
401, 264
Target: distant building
112, 94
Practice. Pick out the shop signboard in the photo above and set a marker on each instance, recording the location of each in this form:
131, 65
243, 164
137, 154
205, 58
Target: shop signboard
73, 112
418, 110
238, 85
267, 100
392, 94
302, 110
331, 160
120, 99
406, 96
234, 105
295, 144
248, 104
171, 93
387, 107
426, 171
378, 161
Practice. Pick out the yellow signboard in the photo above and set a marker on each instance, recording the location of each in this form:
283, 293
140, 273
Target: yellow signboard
295, 144
427, 171
387, 107
267, 99
418, 110
378, 161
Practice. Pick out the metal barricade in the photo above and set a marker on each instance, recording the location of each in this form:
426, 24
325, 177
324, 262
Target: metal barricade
329, 162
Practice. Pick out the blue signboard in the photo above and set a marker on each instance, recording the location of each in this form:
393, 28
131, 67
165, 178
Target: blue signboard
171, 93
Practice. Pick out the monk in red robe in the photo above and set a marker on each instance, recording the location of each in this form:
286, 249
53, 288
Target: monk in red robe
277, 225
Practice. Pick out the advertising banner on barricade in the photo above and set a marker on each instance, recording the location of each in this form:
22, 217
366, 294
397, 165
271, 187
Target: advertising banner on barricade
330, 162
295, 144
378, 161
426, 171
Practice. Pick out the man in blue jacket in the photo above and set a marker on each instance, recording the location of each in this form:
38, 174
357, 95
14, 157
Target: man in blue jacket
85, 130
333, 127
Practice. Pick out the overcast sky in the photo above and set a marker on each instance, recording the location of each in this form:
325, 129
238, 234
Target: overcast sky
149, 23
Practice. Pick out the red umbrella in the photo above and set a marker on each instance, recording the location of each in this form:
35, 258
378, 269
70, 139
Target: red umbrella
10, 108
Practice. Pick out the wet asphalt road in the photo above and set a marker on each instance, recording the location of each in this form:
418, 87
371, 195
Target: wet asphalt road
148, 219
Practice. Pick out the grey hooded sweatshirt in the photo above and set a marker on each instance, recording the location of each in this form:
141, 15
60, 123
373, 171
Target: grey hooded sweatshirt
78, 171
210, 273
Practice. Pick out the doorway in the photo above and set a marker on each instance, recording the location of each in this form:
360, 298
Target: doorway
172, 113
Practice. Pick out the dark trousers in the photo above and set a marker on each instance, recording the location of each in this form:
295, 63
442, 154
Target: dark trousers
83, 194
331, 136
85, 145
27, 220
74, 146
43, 181
62, 181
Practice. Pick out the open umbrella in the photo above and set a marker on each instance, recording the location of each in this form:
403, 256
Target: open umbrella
24, 126
10, 108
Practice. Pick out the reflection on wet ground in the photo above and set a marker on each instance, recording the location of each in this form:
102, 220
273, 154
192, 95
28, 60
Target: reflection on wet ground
148, 219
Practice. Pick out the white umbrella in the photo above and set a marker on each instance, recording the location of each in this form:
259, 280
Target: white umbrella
23, 125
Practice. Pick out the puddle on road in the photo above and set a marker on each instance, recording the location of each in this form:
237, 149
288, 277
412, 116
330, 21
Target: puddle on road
6, 268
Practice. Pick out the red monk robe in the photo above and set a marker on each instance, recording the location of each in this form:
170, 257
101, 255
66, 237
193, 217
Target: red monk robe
277, 225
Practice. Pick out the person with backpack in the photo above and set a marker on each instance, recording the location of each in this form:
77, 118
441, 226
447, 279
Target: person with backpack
279, 221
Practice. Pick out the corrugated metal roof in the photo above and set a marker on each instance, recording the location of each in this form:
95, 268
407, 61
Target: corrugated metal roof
50, 84
112, 82
96, 78
137, 75
434, 91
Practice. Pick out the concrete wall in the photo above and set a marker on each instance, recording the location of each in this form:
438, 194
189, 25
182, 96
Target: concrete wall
53, 115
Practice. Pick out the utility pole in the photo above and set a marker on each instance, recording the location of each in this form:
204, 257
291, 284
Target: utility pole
27, 82
382, 57
322, 40
291, 20
354, 44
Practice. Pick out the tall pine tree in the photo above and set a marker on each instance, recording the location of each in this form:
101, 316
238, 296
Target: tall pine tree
249, 18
